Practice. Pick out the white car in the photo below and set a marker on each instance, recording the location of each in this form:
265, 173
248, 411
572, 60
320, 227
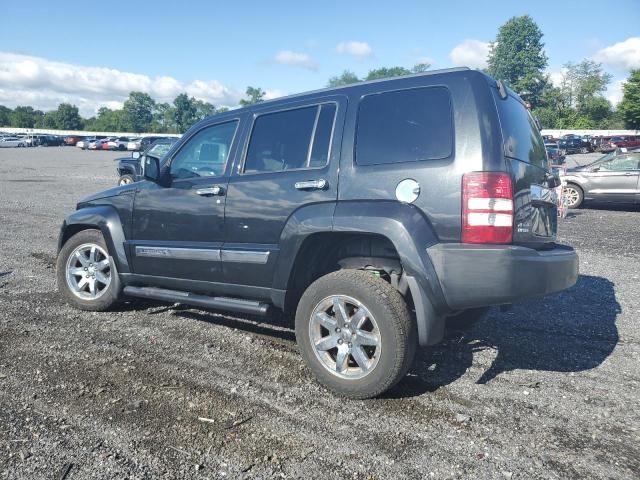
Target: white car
84, 143
12, 142
119, 143
134, 144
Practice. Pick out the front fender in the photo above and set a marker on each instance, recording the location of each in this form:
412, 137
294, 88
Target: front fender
107, 220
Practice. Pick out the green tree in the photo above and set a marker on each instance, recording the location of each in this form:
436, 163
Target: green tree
584, 81
109, 120
255, 95
25, 117
185, 112
204, 109
164, 119
67, 117
48, 120
629, 107
5, 116
385, 72
517, 57
345, 78
420, 67
138, 110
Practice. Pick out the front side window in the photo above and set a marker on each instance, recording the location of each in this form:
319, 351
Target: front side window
404, 126
206, 153
291, 139
622, 162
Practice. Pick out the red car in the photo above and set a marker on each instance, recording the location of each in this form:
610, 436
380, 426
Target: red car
625, 141
72, 140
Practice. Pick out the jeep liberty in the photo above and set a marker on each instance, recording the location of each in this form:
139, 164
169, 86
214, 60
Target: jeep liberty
375, 212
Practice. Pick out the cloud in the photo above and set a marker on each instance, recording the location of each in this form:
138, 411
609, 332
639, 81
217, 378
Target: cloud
287, 57
557, 77
470, 53
625, 54
270, 94
357, 49
615, 91
43, 84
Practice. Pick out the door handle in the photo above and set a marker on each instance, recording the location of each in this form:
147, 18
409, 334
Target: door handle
210, 191
627, 174
319, 184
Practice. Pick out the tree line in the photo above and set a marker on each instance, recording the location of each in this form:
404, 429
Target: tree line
516, 57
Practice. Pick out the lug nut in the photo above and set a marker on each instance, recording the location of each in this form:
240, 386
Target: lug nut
85, 269
338, 330
350, 345
340, 341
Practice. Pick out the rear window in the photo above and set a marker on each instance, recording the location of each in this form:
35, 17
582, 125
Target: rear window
522, 139
404, 126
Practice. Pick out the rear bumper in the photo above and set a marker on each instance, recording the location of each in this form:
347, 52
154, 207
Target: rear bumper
483, 275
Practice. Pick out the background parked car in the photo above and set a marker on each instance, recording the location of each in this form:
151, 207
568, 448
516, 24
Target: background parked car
574, 145
117, 143
12, 142
130, 168
556, 157
145, 142
625, 141
134, 144
612, 178
72, 140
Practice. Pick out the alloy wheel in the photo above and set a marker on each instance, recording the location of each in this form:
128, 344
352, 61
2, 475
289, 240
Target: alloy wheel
88, 271
572, 195
345, 337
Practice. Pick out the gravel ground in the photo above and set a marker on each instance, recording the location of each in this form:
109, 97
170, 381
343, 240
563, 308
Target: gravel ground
549, 389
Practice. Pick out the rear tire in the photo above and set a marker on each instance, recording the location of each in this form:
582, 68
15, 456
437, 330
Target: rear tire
355, 333
574, 195
86, 274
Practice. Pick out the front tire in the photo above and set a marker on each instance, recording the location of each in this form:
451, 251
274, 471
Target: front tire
355, 333
126, 180
86, 274
574, 195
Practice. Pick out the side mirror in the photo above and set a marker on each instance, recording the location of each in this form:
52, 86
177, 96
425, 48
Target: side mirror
151, 169
135, 155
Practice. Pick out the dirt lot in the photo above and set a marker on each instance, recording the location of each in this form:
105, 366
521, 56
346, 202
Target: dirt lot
550, 389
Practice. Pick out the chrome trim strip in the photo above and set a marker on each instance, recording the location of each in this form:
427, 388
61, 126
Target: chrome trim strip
244, 256
179, 253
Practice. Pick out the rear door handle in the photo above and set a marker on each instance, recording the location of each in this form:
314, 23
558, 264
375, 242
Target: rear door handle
210, 191
319, 184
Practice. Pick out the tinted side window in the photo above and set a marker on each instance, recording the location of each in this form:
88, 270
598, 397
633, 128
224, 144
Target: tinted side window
322, 136
522, 139
404, 126
206, 153
281, 140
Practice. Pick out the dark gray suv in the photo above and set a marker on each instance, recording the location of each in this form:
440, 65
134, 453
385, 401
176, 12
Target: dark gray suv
376, 212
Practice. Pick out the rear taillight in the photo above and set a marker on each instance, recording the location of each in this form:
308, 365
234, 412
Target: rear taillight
487, 208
